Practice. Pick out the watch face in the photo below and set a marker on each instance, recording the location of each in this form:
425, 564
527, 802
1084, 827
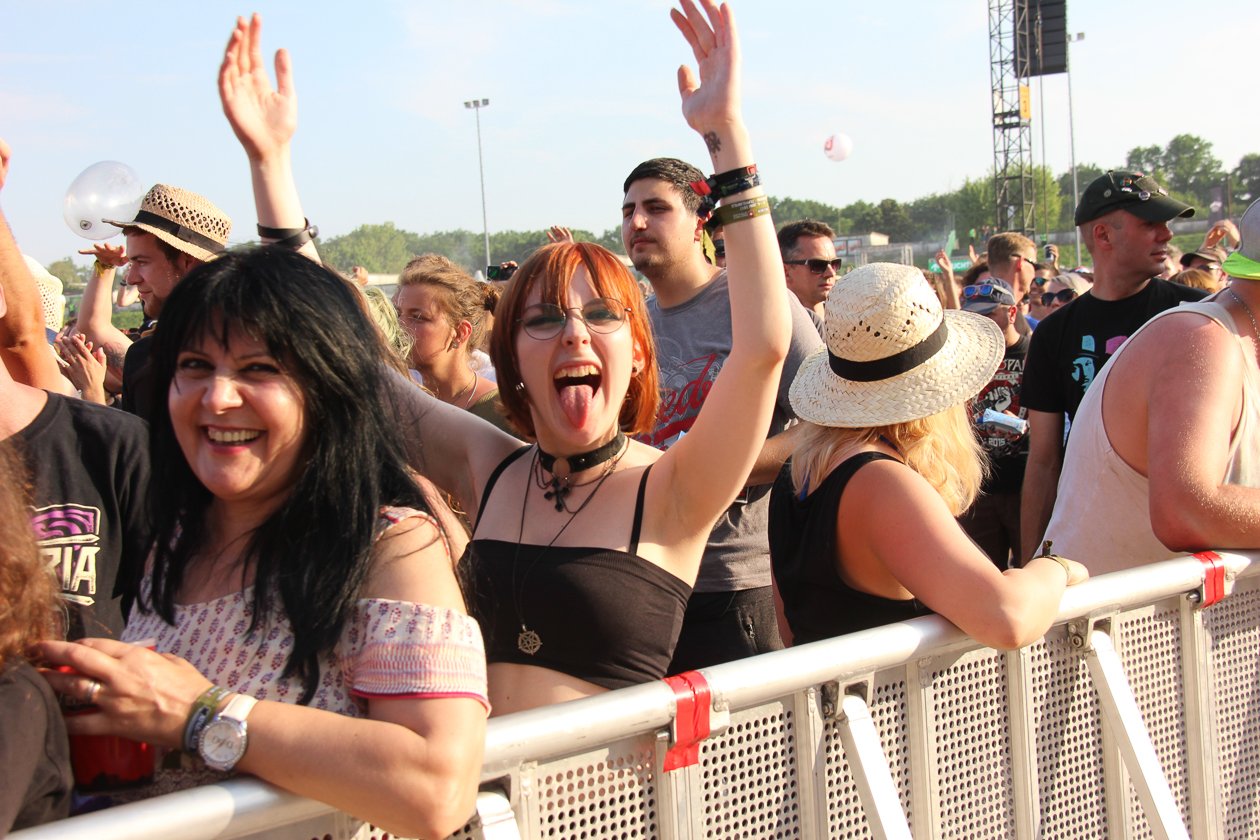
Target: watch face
222, 743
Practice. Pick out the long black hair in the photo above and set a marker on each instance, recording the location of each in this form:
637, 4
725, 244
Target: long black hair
313, 552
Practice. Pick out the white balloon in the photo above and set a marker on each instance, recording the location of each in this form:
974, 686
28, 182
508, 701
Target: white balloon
105, 190
838, 146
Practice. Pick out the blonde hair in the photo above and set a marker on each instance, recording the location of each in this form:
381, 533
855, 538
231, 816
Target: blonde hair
942, 448
462, 298
380, 310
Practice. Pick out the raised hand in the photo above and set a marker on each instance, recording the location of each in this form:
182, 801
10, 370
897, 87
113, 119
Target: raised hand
113, 256
559, 233
711, 101
263, 118
85, 366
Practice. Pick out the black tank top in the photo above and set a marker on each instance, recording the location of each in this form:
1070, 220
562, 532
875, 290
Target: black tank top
803, 551
605, 616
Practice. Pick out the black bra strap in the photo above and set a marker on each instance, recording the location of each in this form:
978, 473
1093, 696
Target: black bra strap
494, 477
638, 512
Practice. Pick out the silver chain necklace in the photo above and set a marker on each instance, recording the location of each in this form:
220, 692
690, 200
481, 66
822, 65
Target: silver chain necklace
1255, 331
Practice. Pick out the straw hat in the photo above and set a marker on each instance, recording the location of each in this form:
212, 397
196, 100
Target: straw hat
892, 355
51, 298
184, 220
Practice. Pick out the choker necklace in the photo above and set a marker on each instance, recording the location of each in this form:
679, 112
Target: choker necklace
528, 641
562, 467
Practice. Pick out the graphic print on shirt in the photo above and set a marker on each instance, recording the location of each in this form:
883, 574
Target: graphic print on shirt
69, 540
685, 384
1002, 395
1086, 366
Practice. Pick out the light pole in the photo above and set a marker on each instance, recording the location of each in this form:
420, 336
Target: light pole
1076, 190
476, 105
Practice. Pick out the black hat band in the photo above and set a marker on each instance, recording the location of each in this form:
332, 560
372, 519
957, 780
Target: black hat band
177, 230
890, 366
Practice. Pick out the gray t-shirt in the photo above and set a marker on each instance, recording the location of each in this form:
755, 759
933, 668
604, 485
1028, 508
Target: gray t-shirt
693, 340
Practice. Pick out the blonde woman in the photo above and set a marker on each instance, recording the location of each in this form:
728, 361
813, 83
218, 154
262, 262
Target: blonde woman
444, 310
862, 529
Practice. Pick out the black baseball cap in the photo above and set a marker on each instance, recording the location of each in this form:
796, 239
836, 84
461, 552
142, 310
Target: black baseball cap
1133, 192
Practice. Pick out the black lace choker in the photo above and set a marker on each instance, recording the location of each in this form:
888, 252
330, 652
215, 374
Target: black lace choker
562, 467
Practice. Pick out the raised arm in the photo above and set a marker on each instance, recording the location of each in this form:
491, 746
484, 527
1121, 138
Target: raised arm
709, 466
264, 120
24, 347
96, 310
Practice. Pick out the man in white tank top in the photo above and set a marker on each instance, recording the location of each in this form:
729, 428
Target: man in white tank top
1164, 455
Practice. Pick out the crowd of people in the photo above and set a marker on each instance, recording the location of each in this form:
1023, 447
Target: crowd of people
307, 533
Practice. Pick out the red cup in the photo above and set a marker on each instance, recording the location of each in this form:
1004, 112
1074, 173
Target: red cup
106, 762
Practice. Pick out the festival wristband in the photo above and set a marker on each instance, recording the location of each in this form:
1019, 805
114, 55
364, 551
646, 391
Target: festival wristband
728, 183
739, 211
203, 709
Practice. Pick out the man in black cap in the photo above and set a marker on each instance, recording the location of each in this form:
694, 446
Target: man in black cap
1123, 219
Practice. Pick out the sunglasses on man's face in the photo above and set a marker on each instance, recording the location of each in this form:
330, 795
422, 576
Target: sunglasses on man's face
817, 266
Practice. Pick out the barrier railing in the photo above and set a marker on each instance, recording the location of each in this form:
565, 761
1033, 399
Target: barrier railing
1137, 716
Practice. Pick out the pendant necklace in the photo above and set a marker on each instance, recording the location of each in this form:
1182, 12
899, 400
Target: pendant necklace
528, 641
562, 467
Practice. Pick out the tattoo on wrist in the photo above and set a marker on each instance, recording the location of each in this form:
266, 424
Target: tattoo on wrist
711, 140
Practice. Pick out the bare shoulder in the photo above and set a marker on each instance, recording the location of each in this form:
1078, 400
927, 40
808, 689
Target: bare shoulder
412, 561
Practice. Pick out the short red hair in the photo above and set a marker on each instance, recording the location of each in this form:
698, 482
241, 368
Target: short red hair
551, 268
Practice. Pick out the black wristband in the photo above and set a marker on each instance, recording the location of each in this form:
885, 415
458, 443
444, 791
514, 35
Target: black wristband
289, 237
728, 183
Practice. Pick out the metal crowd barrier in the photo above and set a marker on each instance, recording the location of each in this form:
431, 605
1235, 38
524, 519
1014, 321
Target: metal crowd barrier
1138, 715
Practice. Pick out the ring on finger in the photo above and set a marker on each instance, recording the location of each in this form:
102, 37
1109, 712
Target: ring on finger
89, 696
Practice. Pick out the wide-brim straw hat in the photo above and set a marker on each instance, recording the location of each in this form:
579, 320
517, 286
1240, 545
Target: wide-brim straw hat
892, 354
184, 220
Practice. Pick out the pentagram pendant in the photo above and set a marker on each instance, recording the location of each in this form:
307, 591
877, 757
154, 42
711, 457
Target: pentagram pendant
527, 641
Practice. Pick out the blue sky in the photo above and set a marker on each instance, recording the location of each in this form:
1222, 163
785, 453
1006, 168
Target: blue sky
580, 91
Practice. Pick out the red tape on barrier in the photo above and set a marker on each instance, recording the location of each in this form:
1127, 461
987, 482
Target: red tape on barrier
1213, 578
691, 719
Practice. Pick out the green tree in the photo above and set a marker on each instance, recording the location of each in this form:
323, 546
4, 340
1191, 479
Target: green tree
1085, 172
1048, 199
381, 249
1146, 159
1191, 167
931, 217
973, 207
1246, 178
787, 210
65, 271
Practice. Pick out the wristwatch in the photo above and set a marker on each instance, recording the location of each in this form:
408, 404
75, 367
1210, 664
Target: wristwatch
225, 738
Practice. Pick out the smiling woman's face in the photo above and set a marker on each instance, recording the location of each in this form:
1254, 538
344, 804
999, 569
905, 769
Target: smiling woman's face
240, 419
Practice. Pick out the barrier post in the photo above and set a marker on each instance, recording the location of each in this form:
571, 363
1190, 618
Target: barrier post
866, 758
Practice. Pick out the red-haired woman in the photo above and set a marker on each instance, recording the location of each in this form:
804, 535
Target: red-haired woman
586, 544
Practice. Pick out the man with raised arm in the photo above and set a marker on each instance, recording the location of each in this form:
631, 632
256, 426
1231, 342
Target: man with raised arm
1164, 456
1123, 219
730, 614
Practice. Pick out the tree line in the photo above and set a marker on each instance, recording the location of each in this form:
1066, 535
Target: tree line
1187, 166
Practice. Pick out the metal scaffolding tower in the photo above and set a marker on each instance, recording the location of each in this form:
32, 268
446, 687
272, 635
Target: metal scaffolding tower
1011, 49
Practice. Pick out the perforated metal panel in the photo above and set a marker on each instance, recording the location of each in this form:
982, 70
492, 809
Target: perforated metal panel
972, 744
1149, 643
1066, 721
748, 776
606, 794
846, 816
1233, 629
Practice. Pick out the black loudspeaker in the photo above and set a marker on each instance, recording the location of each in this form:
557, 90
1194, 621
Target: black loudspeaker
1053, 57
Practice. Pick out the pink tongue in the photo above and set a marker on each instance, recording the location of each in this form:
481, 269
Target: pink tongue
576, 402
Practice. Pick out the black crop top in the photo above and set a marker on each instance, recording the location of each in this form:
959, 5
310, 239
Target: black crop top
605, 616
803, 551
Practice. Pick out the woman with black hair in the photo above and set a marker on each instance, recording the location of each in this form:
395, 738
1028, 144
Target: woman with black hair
297, 564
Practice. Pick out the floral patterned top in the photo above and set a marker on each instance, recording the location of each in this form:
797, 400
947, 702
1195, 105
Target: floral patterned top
395, 649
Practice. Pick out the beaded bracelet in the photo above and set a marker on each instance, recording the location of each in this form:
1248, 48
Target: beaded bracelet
289, 237
738, 211
203, 709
